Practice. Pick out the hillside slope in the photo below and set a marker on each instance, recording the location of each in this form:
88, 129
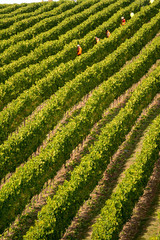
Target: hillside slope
79, 135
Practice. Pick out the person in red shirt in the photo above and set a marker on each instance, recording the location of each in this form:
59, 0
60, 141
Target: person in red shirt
108, 33
97, 39
123, 21
79, 50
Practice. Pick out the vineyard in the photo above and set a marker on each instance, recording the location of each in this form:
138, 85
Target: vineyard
80, 135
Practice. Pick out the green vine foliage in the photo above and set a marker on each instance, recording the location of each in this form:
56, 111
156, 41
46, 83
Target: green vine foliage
118, 208
58, 212
29, 179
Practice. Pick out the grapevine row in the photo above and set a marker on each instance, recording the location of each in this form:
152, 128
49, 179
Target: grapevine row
29, 179
72, 78
49, 21
44, 20
7, 22
20, 81
118, 208
107, 66
34, 133
2, 6
11, 7
19, 9
58, 212
78, 30
51, 185
49, 48
103, 190
68, 52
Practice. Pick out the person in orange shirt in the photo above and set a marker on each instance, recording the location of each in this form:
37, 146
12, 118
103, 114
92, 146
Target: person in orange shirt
123, 21
97, 39
79, 50
108, 33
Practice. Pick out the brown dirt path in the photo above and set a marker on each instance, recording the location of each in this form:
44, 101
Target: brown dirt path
144, 207
80, 227
23, 222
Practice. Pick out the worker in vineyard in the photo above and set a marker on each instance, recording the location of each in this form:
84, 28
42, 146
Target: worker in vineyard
108, 33
132, 14
79, 50
97, 39
123, 21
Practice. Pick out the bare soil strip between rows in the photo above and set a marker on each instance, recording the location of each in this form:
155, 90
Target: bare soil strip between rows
81, 225
23, 222
144, 204
70, 113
